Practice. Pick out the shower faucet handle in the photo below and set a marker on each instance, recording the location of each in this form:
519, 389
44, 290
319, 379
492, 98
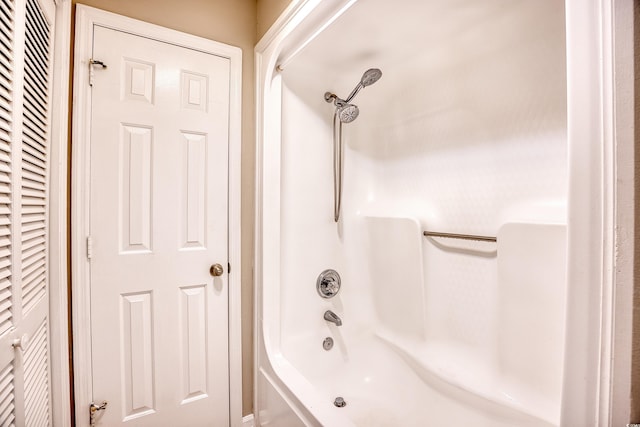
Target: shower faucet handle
328, 283
330, 286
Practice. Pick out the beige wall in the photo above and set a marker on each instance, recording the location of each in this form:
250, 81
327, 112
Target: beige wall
232, 22
268, 12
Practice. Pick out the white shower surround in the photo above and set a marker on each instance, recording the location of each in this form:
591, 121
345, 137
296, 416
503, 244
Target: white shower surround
296, 238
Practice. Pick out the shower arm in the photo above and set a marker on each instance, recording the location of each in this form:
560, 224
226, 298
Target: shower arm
332, 97
354, 92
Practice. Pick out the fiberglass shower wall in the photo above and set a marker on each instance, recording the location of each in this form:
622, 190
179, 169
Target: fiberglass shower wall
464, 133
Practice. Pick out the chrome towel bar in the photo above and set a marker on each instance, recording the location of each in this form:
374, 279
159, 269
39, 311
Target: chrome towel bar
460, 236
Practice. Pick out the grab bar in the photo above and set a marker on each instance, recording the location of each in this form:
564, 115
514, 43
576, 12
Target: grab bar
460, 236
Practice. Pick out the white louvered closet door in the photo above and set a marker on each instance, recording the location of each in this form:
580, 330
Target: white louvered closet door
26, 35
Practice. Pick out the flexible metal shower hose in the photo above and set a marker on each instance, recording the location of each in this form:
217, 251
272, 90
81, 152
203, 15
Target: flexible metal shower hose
337, 166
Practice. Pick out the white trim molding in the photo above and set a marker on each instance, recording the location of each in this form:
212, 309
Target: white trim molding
58, 242
620, 98
599, 46
86, 19
601, 145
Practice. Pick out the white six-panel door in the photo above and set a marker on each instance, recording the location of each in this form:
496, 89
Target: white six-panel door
158, 221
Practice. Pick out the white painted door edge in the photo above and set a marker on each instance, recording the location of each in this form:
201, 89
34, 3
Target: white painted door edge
86, 18
618, 112
58, 197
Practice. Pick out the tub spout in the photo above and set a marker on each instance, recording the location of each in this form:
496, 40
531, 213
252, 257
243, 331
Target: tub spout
330, 316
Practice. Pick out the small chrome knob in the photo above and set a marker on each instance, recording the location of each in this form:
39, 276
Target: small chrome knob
216, 270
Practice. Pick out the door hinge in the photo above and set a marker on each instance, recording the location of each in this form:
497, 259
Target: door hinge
93, 411
89, 247
228, 268
93, 62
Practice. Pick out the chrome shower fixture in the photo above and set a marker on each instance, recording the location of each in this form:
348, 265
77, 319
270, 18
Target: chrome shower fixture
369, 77
346, 111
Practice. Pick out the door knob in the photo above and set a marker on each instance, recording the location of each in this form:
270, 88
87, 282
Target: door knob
21, 343
216, 270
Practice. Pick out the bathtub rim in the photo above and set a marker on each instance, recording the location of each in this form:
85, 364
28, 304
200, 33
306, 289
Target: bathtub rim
600, 214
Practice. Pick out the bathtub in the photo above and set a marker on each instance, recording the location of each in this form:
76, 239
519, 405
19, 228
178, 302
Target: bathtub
391, 370
468, 134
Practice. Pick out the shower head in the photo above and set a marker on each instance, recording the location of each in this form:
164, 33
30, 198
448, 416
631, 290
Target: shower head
348, 113
345, 111
370, 76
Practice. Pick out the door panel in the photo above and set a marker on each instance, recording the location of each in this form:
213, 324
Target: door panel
26, 33
158, 215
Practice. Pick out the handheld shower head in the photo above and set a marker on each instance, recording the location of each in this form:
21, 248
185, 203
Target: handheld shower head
370, 76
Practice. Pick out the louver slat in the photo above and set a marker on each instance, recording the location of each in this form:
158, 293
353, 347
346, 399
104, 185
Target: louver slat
5, 41
33, 286
6, 23
33, 156
6, 139
4, 157
37, 125
34, 152
5, 71
34, 141
5, 306
36, 384
37, 87
32, 104
7, 402
5, 95
5, 273
36, 170
39, 27
6, 8
33, 52
39, 177
5, 117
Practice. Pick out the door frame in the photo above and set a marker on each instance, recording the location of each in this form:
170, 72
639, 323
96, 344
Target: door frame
58, 214
86, 18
